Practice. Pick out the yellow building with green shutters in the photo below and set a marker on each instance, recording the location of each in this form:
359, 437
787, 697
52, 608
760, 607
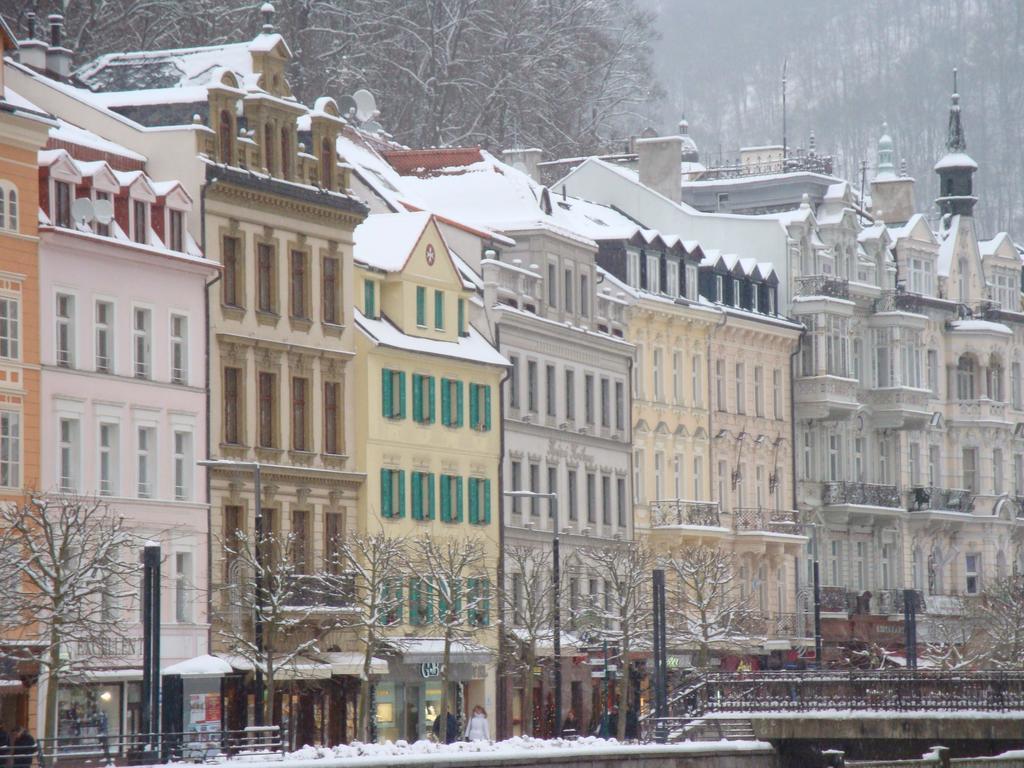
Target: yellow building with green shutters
428, 437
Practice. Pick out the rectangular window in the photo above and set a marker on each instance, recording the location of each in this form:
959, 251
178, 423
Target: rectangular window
423, 399
584, 296
69, 453
588, 398
741, 388
183, 466
571, 482
267, 401
672, 280
140, 221
232, 405
553, 285
531, 386
104, 337
534, 488
620, 406
300, 290
62, 204
970, 469
933, 371
10, 449
697, 381
606, 500
567, 283
677, 377
639, 488
759, 392
421, 306
570, 394
972, 573
232, 283
451, 499
334, 542
479, 512
331, 291
300, 394
552, 488
516, 481
633, 269
462, 317
480, 407
551, 398
392, 493
934, 467
656, 374
179, 349
9, 328
997, 470
698, 477
439, 310
332, 418
177, 227
392, 393
99, 227
142, 342
620, 501
423, 499
266, 285
606, 406
777, 393
370, 299
720, 385
451, 403
591, 497
915, 464
145, 463
109, 461
182, 587
65, 330
513, 382
478, 608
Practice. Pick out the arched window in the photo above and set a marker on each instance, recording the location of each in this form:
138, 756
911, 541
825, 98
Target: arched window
285, 155
965, 378
995, 380
226, 137
268, 147
8, 206
326, 179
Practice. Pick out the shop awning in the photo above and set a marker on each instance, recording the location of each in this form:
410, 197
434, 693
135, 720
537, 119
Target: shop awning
199, 666
427, 650
300, 668
8, 684
350, 663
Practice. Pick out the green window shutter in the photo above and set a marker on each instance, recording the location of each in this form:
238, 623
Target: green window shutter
398, 600
485, 585
474, 500
417, 496
428, 601
430, 495
401, 394
439, 309
421, 305
446, 402
414, 601
458, 404
462, 317
446, 500
471, 599
487, 407
458, 499
368, 299
417, 398
385, 493
430, 400
400, 507
385, 388
486, 503
442, 603
474, 406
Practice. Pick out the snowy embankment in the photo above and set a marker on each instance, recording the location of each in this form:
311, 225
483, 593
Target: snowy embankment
426, 753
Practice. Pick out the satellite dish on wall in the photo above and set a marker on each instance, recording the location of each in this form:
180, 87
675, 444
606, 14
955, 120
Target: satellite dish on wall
366, 105
103, 210
82, 210
347, 107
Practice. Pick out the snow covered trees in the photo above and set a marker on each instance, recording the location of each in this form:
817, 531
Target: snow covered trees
67, 566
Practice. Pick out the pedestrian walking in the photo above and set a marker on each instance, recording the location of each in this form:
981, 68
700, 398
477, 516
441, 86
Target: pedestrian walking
476, 728
23, 749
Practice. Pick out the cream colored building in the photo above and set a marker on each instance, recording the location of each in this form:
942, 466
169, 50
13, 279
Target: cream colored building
428, 436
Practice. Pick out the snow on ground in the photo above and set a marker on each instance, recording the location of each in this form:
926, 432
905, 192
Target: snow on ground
425, 752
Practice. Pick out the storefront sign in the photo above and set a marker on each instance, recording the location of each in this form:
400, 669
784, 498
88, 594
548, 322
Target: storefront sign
430, 669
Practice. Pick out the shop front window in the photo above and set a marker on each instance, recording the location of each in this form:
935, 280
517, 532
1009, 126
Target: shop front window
88, 712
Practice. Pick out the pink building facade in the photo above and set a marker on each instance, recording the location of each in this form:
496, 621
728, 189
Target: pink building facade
124, 409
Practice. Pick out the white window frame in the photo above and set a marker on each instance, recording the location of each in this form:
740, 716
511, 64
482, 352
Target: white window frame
183, 602
142, 364
179, 348
183, 451
9, 210
69, 453
107, 329
145, 461
65, 324
10, 327
111, 455
10, 448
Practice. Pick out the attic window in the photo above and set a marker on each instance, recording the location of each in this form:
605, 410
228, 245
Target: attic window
176, 231
62, 204
139, 221
226, 137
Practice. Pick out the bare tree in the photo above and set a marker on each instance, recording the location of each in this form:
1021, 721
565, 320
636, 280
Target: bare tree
624, 617
998, 618
949, 641
377, 563
705, 607
64, 578
268, 589
454, 572
528, 602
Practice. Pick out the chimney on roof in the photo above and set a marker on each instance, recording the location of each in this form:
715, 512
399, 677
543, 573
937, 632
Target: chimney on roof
58, 58
525, 160
32, 52
267, 12
659, 161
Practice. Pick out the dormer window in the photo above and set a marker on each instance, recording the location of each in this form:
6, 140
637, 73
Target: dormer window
98, 226
736, 292
325, 164
653, 274
673, 278
772, 299
754, 298
633, 269
140, 221
176, 230
268, 147
691, 282
226, 137
62, 204
719, 289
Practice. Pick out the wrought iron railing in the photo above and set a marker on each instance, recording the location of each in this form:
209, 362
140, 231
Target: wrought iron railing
320, 590
683, 512
762, 519
949, 499
823, 285
888, 602
834, 600
865, 494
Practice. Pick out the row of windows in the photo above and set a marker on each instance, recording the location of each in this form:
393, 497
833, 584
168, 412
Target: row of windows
609, 408
657, 373
107, 451
570, 300
104, 334
459, 496
740, 392
678, 489
424, 400
268, 279
657, 273
300, 538
424, 596
267, 415
598, 497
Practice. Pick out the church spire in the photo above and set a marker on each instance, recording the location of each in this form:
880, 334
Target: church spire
956, 168
955, 141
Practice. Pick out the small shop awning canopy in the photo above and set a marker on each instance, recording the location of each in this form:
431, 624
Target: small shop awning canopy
199, 666
350, 663
427, 650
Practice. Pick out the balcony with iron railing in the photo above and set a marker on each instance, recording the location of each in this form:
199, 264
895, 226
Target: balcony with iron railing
684, 512
750, 519
842, 492
305, 591
829, 286
927, 498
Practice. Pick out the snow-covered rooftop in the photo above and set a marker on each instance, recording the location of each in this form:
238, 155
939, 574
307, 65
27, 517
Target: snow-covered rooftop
473, 347
385, 240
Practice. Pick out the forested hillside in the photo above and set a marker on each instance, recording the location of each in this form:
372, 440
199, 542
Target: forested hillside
851, 66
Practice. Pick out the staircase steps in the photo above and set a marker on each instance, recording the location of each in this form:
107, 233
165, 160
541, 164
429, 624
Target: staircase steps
715, 729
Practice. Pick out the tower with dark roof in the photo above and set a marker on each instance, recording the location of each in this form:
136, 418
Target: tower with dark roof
956, 168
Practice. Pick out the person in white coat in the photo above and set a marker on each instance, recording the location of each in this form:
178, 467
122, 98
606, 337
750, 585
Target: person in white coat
476, 728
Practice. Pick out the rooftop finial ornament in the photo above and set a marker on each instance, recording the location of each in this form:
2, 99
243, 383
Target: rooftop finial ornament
955, 141
267, 11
